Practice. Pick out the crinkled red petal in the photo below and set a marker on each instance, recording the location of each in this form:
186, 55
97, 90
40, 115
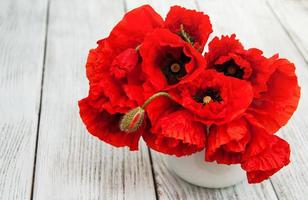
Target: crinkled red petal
173, 131
271, 159
105, 126
135, 25
276, 106
226, 143
196, 24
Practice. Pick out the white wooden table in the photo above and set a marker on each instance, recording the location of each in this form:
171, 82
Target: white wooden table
45, 152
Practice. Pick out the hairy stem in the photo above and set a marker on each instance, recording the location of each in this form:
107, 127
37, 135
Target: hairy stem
150, 99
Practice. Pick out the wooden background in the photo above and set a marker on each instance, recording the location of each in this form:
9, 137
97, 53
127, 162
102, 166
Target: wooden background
45, 151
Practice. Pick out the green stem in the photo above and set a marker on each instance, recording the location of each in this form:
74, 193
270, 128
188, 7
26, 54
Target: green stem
185, 35
154, 96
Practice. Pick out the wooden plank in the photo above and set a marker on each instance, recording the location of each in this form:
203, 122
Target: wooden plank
71, 164
256, 26
293, 15
22, 33
161, 6
169, 186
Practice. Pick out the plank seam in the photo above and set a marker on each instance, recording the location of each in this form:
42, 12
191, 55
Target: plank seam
125, 6
277, 196
40, 99
197, 5
153, 174
286, 30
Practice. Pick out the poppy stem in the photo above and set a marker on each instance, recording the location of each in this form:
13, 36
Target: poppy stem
154, 96
134, 118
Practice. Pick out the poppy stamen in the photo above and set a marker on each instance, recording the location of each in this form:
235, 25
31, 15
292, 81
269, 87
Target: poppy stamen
207, 96
207, 99
175, 67
232, 70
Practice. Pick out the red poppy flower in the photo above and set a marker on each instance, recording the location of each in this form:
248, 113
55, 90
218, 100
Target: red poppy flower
115, 78
277, 104
213, 97
135, 25
226, 143
106, 91
228, 56
265, 155
149, 79
105, 126
168, 60
194, 27
173, 130
247, 142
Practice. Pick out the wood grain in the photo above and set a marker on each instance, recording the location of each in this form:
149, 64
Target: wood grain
256, 26
161, 6
22, 38
72, 164
293, 16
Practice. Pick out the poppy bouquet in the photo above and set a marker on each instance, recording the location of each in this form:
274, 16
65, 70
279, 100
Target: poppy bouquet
150, 78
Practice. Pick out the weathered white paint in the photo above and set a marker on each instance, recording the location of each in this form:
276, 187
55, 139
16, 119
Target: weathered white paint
293, 16
72, 164
22, 38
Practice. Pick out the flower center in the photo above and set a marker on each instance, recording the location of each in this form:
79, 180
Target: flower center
207, 96
230, 68
174, 67
207, 99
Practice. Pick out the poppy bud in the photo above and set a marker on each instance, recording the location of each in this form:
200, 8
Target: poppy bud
132, 120
124, 63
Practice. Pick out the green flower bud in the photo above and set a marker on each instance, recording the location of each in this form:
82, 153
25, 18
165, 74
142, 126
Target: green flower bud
132, 120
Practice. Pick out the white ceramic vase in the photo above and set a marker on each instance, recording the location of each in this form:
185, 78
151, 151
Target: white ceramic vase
196, 171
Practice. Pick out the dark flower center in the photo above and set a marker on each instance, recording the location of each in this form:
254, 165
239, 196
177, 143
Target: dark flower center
208, 95
230, 68
174, 67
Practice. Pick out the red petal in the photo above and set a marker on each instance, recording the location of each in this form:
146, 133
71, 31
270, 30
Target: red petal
105, 126
275, 106
154, 52
275, 156
226, 143
135, 92
98, 61
256, 67
196, 24
236, 96
135, 25
109, 95
175, 133
222, 47
124, 63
